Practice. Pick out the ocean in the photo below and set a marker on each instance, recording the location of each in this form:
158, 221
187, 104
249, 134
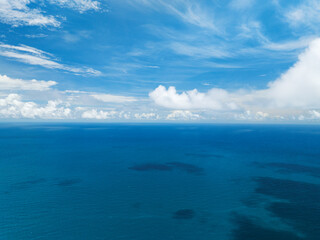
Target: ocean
79, 181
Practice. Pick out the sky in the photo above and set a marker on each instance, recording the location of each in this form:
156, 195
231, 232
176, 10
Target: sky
160, 60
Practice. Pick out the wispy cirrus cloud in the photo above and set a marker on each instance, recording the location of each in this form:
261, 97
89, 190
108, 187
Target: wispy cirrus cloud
192, 13
189, 12
17, 12
290, 45
209, 51
33, 56
305, 14
244, 38
113, 98
79, 5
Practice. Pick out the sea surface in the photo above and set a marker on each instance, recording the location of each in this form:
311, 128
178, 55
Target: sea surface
159, 182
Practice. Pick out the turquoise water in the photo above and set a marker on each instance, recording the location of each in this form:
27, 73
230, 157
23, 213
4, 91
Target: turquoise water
122, 181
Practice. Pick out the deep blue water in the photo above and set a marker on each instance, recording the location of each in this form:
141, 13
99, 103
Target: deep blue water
117, 181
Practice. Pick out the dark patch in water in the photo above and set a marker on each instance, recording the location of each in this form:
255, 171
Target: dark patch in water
27, 184
301, 208
68, 182
293, 168
253, 201
136, 205
151, 167
203, 155
293, 191
189, 168
247, 229
183, 214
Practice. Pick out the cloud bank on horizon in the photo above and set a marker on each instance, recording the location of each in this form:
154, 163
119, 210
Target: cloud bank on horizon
160, 60
297, 88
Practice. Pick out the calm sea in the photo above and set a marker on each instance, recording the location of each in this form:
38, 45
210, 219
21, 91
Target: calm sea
145, 182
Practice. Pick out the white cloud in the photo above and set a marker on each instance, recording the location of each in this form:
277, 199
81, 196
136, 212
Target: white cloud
40, 35
146, 116
314, 114
215, 99
33, 56
24, 48
289, 45
182, 115
7, 83
304, 14
299, 87
99, 115
79, 5
125, 115
113, 98
13, 107
19, 12
249, 115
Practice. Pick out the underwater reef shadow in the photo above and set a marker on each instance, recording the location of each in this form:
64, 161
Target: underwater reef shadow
300, 205
288, 168
247, 229
184, 214
68, 182
295, 203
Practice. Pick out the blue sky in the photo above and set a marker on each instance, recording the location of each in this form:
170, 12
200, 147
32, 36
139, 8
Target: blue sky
157, 60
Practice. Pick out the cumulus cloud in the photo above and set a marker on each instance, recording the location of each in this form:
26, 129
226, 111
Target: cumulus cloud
300, 85
249, 115
314, 114
182, 115
33, 56
7, 83
104, 115
99, 115
113, 98
12, 106
146, 116
297, 88
19, 12
215, 99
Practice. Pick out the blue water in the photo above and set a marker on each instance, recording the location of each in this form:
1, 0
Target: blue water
122, 181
